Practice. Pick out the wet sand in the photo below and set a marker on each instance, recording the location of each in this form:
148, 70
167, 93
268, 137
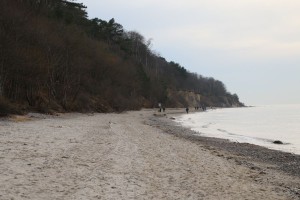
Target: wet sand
134, 155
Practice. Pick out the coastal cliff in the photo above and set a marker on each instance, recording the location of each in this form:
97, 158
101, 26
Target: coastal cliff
183, 99
193, 99
53, 58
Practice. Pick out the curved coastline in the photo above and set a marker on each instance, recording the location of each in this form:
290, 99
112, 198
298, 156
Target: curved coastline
132, 155
283, 161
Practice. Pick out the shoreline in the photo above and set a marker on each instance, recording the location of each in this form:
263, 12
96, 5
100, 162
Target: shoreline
133, 155
284, 161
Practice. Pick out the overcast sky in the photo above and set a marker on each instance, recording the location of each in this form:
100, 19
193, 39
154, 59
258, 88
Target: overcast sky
252, 46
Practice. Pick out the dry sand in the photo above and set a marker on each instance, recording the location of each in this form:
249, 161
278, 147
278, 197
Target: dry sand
119, 156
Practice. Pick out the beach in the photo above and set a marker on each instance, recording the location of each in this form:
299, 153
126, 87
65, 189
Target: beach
134, 155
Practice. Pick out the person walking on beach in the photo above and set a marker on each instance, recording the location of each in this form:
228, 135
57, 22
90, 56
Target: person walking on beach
187, 110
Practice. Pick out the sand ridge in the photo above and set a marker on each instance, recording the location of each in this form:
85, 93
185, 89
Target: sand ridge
119, 156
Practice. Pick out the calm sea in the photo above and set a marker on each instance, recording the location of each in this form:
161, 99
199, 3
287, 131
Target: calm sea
259, 125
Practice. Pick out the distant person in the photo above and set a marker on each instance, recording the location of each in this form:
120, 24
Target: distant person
187, 110
159, 105
164, 109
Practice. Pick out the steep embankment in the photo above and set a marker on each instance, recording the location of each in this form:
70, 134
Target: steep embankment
192, 99
53, 58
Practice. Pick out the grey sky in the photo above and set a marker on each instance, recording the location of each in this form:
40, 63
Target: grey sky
253, 46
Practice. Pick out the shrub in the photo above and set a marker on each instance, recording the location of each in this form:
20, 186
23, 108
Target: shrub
7, 107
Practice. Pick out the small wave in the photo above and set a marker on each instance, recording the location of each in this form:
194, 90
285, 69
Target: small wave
251, 138
206, 125
224, 131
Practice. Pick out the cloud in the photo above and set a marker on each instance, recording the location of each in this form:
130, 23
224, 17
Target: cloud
255, 40
253, 27
257, 27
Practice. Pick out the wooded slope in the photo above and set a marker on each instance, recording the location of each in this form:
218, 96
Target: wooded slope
53, 58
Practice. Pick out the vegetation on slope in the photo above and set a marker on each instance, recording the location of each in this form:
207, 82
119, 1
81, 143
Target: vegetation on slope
53, 58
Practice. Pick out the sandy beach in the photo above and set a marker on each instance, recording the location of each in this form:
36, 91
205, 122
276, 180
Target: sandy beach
133, 155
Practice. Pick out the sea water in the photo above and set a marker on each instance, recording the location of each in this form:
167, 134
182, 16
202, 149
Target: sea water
260, 125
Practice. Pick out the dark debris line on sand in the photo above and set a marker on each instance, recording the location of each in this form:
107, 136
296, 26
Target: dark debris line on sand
286, 162
246, 153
